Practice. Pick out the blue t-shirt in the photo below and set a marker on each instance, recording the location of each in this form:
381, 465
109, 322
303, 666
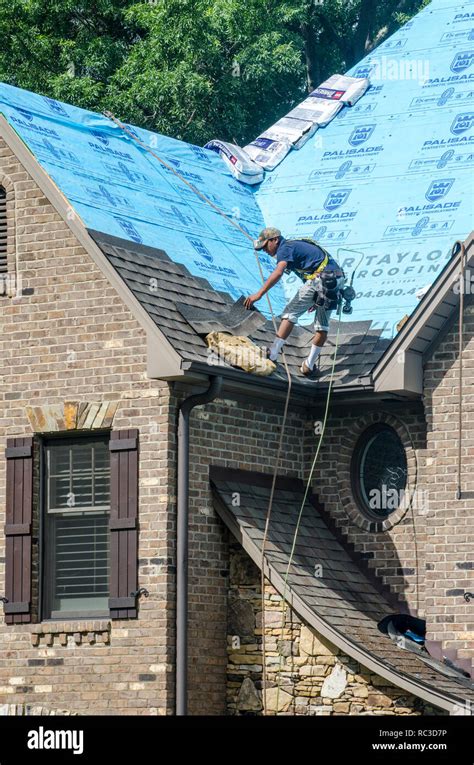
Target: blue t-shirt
302, 257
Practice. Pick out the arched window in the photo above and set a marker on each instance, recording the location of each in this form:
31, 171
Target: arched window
379, 472
3, 231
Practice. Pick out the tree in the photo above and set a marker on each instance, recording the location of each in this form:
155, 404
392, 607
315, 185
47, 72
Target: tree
193, 69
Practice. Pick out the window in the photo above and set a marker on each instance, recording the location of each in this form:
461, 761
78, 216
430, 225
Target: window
3, 231
379, 472
76, 494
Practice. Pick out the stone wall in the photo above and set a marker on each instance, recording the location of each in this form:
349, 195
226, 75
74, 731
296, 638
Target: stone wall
306, 674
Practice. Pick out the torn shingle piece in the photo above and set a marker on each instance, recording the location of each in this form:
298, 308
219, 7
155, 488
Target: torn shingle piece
236, 319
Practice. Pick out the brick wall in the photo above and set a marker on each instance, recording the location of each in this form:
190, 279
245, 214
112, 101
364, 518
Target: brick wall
450, 522
243, 435
74, 339
396, 554
231, 434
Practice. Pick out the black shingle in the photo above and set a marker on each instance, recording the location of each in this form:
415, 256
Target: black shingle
175, 288
344, 597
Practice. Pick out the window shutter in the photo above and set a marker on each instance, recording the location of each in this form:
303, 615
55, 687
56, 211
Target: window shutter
123, 447
18, 519
3, 231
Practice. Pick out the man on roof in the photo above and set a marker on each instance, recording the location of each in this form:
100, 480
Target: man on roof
322, 277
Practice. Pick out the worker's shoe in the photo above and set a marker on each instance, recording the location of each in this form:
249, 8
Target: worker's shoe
267, 353
311, 374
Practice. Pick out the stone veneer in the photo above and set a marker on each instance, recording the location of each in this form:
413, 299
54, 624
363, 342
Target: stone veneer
306, 674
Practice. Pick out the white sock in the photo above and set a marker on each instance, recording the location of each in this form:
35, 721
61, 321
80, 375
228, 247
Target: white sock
313, 355
277, 345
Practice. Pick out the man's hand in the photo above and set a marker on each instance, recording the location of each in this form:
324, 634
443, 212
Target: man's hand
248, 302
274, 277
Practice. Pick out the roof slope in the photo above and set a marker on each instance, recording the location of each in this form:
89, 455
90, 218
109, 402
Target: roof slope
163, 287
391, 176
119, 188
346, 187
343, 604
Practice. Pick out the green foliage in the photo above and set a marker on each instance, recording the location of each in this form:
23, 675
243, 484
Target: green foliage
193, 69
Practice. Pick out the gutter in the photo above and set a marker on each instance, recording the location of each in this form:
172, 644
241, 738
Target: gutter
182, 524
244, 379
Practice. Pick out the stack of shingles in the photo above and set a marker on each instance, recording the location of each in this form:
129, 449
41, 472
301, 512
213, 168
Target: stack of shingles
291, 131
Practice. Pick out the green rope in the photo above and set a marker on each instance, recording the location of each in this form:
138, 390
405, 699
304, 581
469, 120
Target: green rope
308, 484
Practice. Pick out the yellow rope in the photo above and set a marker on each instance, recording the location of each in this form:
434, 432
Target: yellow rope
202, 196
305, 495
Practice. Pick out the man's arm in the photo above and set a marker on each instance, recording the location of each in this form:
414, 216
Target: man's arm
274, 277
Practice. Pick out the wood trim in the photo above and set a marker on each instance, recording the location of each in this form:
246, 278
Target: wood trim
122, 445
288, 483
17, 529
122, 523
121, 603
12, 452
17, 608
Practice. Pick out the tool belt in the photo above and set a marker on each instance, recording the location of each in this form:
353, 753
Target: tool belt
330, 294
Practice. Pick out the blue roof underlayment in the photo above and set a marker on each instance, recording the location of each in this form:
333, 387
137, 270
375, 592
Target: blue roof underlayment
393, 175
390, 177
119, 188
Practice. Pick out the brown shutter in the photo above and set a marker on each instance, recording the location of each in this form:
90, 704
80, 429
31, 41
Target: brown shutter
123, 523
18, 519
3, 231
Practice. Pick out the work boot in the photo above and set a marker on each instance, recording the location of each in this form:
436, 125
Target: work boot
311, 374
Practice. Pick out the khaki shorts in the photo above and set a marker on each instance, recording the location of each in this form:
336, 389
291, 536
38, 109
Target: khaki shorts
304, 299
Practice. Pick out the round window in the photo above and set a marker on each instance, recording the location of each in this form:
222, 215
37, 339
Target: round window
379, 472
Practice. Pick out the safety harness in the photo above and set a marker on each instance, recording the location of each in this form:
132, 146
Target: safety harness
329, 295
322, 265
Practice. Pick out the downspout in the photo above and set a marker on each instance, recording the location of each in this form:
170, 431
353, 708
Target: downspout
215, 386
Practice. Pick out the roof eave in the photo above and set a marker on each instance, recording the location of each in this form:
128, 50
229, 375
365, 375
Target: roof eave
400, 369
270, 386
355, 650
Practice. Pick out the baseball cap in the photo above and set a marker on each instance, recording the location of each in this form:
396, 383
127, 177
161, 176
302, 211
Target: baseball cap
264, 236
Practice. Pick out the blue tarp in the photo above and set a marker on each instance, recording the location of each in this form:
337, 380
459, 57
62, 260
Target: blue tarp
390, 177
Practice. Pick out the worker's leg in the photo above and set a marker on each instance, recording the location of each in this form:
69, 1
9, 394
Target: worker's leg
321, 328
285, 328
297, 306
321, 325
